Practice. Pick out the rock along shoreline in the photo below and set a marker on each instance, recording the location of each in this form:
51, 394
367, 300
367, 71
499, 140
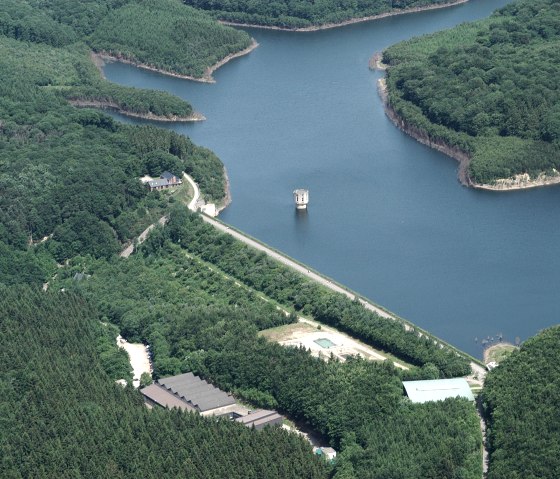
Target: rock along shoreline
227, 198
351, 21
518, 182
99, 58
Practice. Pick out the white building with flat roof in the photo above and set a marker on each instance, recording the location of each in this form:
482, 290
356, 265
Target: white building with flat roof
437, 389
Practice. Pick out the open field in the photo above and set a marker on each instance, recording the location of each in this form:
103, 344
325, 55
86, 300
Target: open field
139, 358
310, 334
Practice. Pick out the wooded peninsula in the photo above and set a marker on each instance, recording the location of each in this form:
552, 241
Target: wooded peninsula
489, 89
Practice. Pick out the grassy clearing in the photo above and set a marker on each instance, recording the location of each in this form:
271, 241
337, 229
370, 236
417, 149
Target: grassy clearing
286, 332
498, 352
183, 193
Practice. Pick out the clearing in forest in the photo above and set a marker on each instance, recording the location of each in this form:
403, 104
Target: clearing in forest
323, 341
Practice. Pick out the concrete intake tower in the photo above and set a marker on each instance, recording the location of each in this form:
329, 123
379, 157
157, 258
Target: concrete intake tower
301, 197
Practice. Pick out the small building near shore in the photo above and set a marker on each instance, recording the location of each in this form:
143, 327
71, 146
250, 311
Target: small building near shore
437, 390
491, 365
165, 181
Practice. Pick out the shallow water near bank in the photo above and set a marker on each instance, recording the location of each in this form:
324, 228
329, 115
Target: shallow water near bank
387, 216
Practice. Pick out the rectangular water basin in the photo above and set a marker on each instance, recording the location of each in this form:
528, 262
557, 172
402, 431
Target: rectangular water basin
324, 343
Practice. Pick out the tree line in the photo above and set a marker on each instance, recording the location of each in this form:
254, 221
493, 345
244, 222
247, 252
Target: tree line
301, 13
520, 399
165, 34
74, 174
178, 38
288, 287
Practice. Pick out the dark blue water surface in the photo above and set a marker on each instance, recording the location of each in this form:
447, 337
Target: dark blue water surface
387, 215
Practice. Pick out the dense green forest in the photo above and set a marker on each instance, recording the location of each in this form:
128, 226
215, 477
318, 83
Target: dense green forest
163, 33
180, 39
491, 88
198, 317
521, 399
64, 416
302, 13
69, 72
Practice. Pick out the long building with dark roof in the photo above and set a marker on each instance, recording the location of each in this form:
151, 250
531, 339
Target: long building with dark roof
187, 392
261, 418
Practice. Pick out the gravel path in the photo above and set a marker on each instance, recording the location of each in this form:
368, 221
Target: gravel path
125, 253
139, 358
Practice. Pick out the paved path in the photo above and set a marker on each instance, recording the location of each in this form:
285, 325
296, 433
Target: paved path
196, 196
273, 254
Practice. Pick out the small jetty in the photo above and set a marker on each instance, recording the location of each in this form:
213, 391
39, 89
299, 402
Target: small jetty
301, 198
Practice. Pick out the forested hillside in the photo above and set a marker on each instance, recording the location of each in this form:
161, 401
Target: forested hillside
490, 88
290, 288
198, 317
165, 34
521, 399
74, 174
302, 13
64, 416
70, 73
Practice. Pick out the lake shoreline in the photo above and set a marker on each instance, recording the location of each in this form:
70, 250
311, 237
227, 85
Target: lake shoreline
351, 21
490, 351
107, 105
227, 197
422, 137
518, 182
99, 59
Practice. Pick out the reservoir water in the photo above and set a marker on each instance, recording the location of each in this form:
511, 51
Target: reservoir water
387, 216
